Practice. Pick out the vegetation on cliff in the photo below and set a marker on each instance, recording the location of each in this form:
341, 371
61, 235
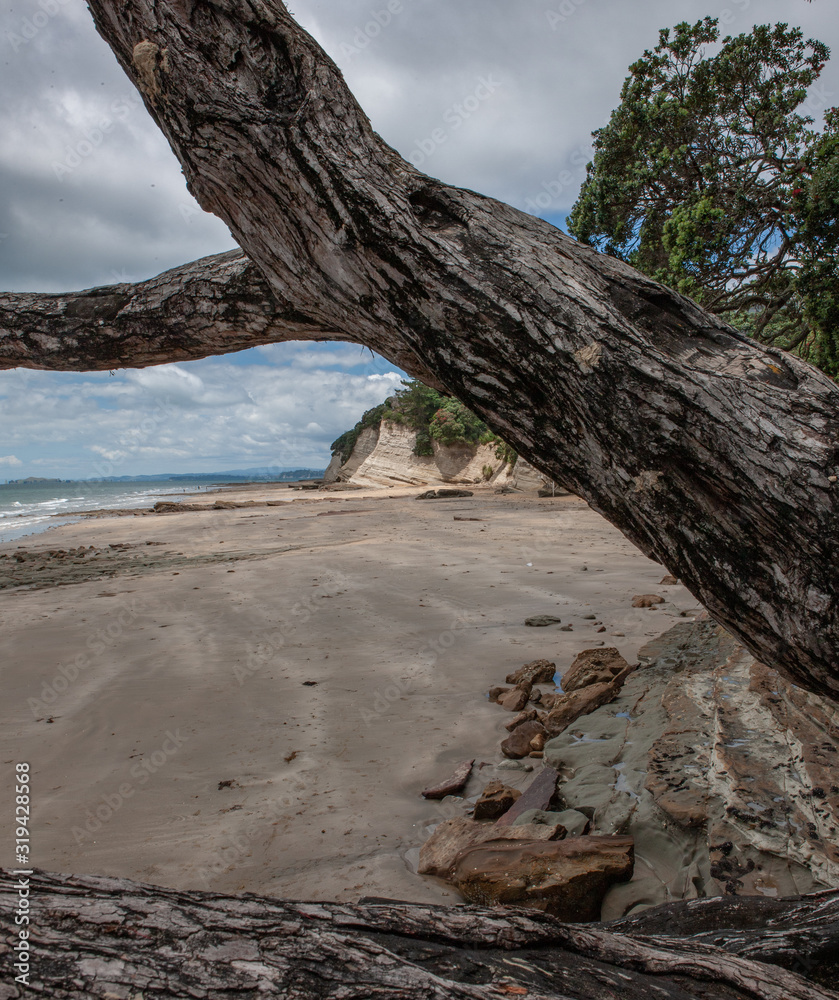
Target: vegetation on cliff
433, 416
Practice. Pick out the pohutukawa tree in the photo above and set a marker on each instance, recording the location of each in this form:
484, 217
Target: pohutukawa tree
717, 457
709, 178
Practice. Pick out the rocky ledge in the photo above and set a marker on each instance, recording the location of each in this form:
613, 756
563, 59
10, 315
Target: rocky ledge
697, 772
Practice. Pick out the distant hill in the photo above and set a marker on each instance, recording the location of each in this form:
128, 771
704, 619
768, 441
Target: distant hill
32, 479
276, 474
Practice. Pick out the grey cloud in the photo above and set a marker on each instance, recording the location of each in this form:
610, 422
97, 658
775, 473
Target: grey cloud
91, 192
123, 212
561, 78
559, 65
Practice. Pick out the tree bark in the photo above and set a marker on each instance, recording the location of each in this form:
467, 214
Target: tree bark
799, 934
715, 456
215, 305
103, 937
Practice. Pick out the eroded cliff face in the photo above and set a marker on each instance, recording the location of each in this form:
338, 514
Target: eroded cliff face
384, 456
365, 446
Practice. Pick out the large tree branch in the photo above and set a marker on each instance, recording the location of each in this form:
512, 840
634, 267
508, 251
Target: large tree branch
716, 457
215, 305
102, 937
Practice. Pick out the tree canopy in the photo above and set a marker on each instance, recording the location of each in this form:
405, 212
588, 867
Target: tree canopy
710, 178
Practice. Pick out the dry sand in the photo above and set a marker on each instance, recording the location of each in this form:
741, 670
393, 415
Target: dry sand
261, 697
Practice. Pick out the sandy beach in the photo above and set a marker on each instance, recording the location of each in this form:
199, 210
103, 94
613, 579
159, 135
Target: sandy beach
252, 699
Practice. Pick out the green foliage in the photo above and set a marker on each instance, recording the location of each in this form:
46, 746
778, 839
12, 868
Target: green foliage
423, 445
710, 179
505, 453
453, 423
817, 211
487, 472
415, 404
434, 417
347, 441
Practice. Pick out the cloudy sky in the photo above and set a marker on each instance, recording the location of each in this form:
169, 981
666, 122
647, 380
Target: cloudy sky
82, 205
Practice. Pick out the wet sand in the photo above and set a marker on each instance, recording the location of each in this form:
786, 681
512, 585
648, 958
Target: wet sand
253, 698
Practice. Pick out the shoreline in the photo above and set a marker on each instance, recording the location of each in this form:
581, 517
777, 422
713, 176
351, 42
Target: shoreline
58, 518
253, 698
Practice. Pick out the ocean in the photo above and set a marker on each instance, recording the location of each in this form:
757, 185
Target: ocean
29, 508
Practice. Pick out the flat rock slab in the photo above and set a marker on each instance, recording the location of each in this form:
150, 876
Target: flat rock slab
440, 852
541, 621
572, 706
495, 800
537, 672
452, 785
594, 666
566, 878
537, 795
729, 754
444, 494
754, 760
518, 743
576, 824
646, 600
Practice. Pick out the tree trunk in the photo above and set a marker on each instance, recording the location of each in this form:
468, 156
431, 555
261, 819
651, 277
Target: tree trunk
800, 934
102, 937
715, 456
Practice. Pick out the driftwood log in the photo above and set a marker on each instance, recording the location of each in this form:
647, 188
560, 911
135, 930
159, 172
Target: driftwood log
113, 938
715, 456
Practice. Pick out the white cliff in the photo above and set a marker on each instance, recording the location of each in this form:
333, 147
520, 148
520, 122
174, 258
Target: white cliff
384, 456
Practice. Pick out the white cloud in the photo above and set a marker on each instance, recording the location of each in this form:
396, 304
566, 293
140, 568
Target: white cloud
10, 460
111, 456
206, 415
